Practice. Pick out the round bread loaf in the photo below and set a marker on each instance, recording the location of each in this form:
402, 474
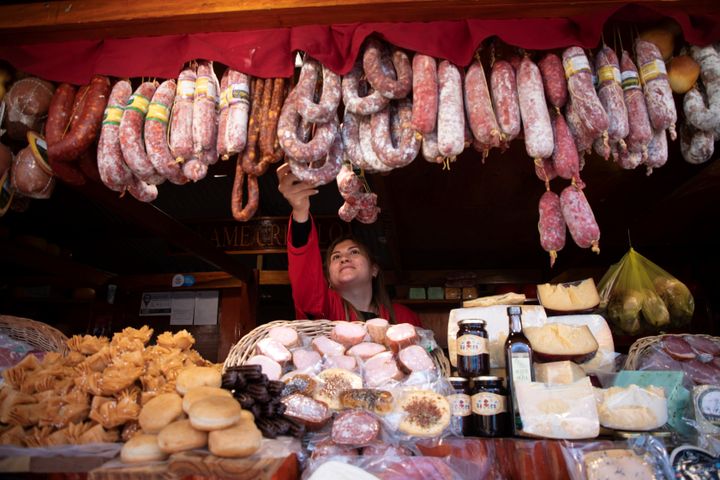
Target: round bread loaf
142, 448
198, 393
159, 412
180, 436
197, 377
241, 440
215, 413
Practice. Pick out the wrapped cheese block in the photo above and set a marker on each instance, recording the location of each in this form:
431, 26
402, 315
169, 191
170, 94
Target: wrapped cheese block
558, 372
632, 408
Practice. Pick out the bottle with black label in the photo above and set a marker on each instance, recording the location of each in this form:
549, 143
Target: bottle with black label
518, 361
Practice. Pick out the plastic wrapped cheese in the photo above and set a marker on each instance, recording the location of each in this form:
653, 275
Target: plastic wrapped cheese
558, 411
632, 408
558, 372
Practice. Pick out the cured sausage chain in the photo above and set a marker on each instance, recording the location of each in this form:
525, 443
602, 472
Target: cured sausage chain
358, 203
698, 135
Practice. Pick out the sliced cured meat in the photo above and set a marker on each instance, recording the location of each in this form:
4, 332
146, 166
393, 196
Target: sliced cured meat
274, 349
327, 448
703, 344
366, 350
310, 412
355, 427
377, 327
415, 359
678, 348
421, 468
348, 334
701, 373
342, 361
381, 369
288, 336
305, 359
270, 367
326, 347
659, 360
400, 336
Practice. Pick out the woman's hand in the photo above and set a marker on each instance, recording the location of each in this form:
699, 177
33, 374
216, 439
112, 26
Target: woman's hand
296, 192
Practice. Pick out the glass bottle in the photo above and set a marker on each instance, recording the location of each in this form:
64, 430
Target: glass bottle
518, 361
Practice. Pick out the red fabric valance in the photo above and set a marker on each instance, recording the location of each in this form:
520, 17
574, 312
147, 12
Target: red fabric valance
270, 53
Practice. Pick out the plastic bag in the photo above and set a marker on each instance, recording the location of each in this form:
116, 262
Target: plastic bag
640, 296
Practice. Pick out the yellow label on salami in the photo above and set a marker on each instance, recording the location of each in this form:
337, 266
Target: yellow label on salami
158, 112
576, 64
469, 344
630, 80
224, 99
238, 92
652, 70
486, 403
185, 89
459, 404
113, 115
138, 103
609, 73
205, 87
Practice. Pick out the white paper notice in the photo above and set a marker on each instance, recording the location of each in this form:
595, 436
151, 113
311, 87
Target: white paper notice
155, 303
183, 308
206, 307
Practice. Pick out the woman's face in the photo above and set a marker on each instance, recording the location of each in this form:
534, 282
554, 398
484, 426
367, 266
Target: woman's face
350, 266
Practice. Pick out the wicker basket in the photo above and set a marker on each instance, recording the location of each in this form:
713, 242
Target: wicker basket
36, 334
642, 345
245, 347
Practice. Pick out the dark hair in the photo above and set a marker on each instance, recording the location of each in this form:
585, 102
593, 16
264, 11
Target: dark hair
380, 298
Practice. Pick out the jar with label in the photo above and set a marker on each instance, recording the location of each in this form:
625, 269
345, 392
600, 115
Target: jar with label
461, 422
473, 356
489, 407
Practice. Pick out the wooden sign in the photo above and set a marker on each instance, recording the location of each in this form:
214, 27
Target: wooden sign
266, 234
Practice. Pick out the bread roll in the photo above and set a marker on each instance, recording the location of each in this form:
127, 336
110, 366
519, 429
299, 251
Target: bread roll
160, 412
241, 440
180, 436
683, 72
198, 393
197, 377
142, 448
215, 413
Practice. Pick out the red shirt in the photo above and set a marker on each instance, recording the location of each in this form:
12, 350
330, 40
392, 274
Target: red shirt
312, 295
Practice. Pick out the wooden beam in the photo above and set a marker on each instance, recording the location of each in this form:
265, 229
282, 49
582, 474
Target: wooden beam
161, 224
91, 19
203, 281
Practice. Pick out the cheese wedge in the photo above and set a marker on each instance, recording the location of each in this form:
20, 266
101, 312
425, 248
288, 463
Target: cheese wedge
569, 297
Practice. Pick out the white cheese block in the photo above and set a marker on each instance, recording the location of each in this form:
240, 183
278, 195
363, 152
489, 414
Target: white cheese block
334, 470
616, 463
569, 297
558, 372
632, 408
558, 411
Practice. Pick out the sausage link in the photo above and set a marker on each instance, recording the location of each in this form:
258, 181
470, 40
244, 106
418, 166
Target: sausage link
347, 181
324, 110
156, 123
698, 114
696, 146
565, 155
581, 90
142, 191
503, 90
195, 168
68, 172
59, 113
545, 171
657, 152
451, 113
268, 131
78, 104
86, 130
534, 111
639, 129
354, 102
553, 76
408, 141
347, 212
580, 219
221, 145
610, 93
581, 136
551, 225
425, 93
238, 112
310, 151
131, 133
324, 173
366, 147
478, 104
429, 148
204, 122
181, 118
260, 105
88, 163
388, 86
629, 160
658, 94
113, 171
240, 213
350, 131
